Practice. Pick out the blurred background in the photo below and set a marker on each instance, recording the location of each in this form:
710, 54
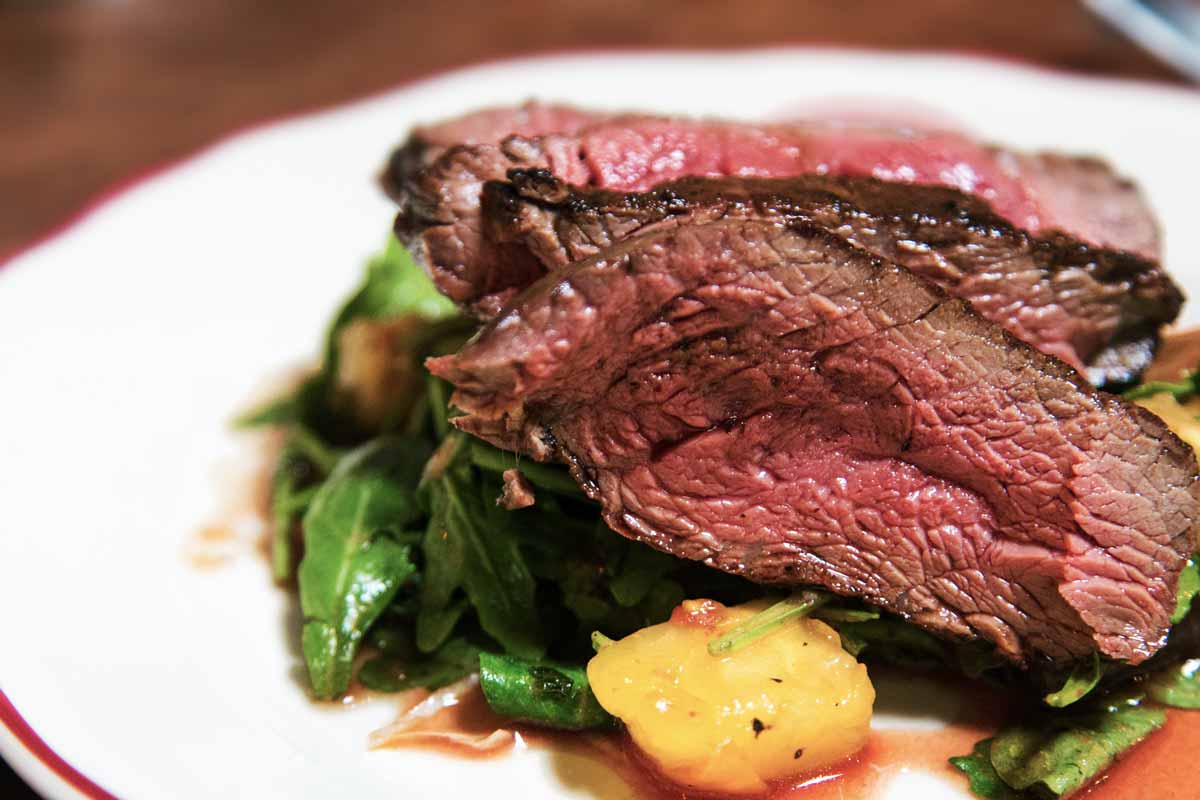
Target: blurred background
93, 94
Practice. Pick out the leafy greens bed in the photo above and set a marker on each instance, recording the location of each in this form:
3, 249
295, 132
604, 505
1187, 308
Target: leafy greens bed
410, 574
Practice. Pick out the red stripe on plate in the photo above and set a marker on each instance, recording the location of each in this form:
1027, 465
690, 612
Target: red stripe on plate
27, 736
9, 717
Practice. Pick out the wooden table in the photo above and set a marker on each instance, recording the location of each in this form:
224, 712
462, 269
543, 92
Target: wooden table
93, 93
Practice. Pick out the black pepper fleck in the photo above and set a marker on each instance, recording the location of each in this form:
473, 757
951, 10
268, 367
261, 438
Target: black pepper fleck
799, 752
777, 680
758, 726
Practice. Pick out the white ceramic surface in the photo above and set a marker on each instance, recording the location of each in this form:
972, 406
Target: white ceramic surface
128, 340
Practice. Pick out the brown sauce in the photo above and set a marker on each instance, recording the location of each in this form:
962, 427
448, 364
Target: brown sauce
465, 729
212, 546
888, 752
240, 525
1161, 768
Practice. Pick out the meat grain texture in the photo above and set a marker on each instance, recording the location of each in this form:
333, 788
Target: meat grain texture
770, 400
439, 185
1099, 310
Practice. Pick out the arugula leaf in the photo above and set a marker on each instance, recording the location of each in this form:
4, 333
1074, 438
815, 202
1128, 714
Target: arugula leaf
455, 659
550, 695
440, 608
393, 637
282, 410
291, 492
304, 404
470, 544
436, 621
985, 782
544, 476
1083, 678
851, 643
352, 565
641, 570
894, 641
437, 393
661, 600
838, 615
1177, 685
309, 445
1189, 587
979, 659
1055, 754
393, 286
1181, 390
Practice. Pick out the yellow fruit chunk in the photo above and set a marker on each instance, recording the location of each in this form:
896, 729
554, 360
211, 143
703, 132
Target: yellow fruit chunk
789, 702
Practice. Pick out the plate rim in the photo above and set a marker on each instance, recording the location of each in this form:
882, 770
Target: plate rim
26, 752
37, 762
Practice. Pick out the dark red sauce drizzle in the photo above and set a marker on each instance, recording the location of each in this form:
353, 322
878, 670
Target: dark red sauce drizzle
1161, 768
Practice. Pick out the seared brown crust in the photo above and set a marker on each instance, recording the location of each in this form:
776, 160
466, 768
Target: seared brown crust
438, 175
485, 126
1096, 308
406, 161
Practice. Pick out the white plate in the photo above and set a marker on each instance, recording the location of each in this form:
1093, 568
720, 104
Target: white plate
127, 341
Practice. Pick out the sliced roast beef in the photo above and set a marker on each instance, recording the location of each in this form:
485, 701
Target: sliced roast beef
1084, 197
1099, 310
439, 216
775, 402
486, 126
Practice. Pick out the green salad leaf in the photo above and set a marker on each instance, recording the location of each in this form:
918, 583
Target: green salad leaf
543, 476
1189, 587
639, 573
1055, 755
836, 616
551, 695
284, 410
470, 544
1177, 685
893, 641
353, 562
1182, 390
409, 568
982, 777
292, 489
394, 286
455, 659
1083, 679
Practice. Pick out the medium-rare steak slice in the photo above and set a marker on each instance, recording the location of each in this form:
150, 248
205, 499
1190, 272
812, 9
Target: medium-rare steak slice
774, 402
1099, 310
439, 198
1084, 197
486, 126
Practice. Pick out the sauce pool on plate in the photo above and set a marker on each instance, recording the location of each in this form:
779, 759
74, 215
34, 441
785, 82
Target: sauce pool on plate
888, 754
